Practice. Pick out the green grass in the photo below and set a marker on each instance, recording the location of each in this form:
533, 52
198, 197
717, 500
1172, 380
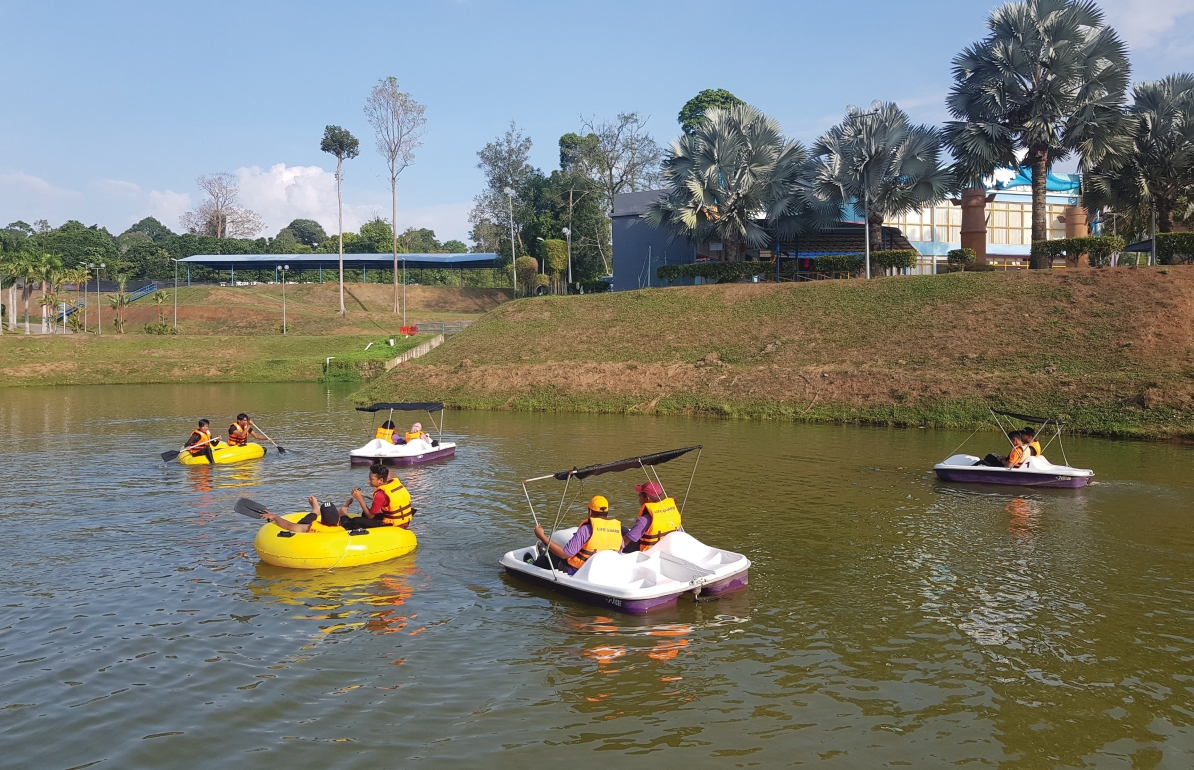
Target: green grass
1111, 349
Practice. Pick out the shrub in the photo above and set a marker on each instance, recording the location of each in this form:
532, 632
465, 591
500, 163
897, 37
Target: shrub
960, 259
161, 327
895, 259
1098, 248
542, 280
1175, 248
594, 287
713, 272
839, 263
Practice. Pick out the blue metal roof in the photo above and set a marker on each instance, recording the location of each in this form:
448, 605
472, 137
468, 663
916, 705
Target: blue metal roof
300, 262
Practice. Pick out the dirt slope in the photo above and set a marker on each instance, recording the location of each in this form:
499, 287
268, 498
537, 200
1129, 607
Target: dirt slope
1113, 349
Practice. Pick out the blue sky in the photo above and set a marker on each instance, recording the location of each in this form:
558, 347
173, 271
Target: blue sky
112, 109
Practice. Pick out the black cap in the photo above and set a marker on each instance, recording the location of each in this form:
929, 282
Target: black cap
329, 515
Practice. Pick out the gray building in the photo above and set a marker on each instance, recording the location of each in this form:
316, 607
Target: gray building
639, 248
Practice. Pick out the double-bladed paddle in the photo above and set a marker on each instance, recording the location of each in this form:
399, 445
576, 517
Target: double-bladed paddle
250, 508
168, 456
281, 451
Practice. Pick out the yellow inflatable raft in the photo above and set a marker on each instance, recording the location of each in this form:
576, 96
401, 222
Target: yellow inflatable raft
324, 550
224, 454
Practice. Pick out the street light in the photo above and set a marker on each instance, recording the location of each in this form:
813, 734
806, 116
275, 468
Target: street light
175, 261
283, 268
99, 301
866, 189
568, 234
513, 254
90, 267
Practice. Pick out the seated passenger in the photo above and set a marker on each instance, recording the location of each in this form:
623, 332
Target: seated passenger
1014, 459
416, 432
657, 516
596, 533
201, 441
242, 430
1033, 445
390, 506
386, 432
324, 517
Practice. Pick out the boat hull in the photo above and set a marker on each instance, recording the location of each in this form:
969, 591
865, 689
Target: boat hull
397, 456
971, 476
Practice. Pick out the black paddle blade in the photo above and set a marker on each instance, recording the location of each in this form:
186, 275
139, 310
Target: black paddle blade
250, 508
281, 451
168, 456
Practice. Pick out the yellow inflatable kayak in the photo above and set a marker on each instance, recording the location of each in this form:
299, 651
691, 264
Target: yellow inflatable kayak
224, 454
324, 550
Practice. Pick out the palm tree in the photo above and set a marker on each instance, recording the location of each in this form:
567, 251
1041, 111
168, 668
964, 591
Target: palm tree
733, 169
1158, 170
1047, 82
22, 266
880, 159
342, 144
48, 271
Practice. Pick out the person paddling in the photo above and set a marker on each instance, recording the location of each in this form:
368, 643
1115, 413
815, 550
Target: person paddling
201, 441
242, 430
324, 517
389, 507
598, 532
657, 516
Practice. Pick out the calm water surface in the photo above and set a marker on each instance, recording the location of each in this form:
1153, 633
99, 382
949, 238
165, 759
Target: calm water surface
890, 620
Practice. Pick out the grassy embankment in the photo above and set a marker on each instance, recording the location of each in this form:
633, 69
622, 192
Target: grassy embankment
234, 335
1111, 349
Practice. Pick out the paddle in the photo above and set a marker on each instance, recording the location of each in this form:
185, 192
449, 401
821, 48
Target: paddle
168, 456
281, 451
250, 508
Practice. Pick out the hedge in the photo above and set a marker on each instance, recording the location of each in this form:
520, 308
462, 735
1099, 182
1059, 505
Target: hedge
856, 263
839, 263
1098, 248
712, 271
1175, 248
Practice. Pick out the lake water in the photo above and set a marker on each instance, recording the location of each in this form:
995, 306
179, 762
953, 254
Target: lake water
891, 620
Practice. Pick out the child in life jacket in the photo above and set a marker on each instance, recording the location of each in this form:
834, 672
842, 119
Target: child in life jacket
657, 516
390, 505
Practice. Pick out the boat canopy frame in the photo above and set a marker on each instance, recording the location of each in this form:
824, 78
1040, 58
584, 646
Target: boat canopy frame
1044, 422
645, 462
431, 407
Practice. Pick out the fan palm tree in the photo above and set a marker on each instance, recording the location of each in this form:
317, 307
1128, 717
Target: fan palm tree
733, 169
881, 160
47, 272
1048, 82
1158, 170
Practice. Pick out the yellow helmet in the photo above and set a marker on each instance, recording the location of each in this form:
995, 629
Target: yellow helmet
599, 504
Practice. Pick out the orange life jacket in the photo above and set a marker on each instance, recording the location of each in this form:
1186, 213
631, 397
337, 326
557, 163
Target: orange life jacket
397, 511
607, 536
1016, 458
1035, 446
413, 436
385, 434
665, 518
318, 526
238, 436
198, 436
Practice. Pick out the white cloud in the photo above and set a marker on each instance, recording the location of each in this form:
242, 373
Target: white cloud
166, 207
1145, 23
20, 185
120, 189
284, 193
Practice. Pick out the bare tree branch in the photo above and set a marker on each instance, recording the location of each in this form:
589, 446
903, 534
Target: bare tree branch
221, 215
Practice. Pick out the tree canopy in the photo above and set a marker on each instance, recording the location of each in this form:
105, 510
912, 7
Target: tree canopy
696, 107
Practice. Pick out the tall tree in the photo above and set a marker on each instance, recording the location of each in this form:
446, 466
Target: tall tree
880, 160
1157, 171
734, 167
694, 109
307, 232
1048, 81
398, 123
620, 155
221, 214
340, 143
504, 162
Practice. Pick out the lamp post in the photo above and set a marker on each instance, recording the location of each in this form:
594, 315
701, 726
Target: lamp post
90, 266
283, 268
99, 301
568, 235
513, 254
175, 261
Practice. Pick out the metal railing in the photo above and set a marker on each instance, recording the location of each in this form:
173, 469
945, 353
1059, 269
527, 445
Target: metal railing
446, 328
145, 290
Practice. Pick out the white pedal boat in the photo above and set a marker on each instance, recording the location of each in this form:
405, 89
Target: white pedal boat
643, 581
406, 453
1035, 472
412, 453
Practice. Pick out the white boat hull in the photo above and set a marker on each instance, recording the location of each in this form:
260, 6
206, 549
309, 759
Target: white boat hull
413, 453
1036, 472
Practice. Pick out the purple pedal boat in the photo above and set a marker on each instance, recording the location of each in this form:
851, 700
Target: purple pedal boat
1036, 471
416, 452
641, 581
